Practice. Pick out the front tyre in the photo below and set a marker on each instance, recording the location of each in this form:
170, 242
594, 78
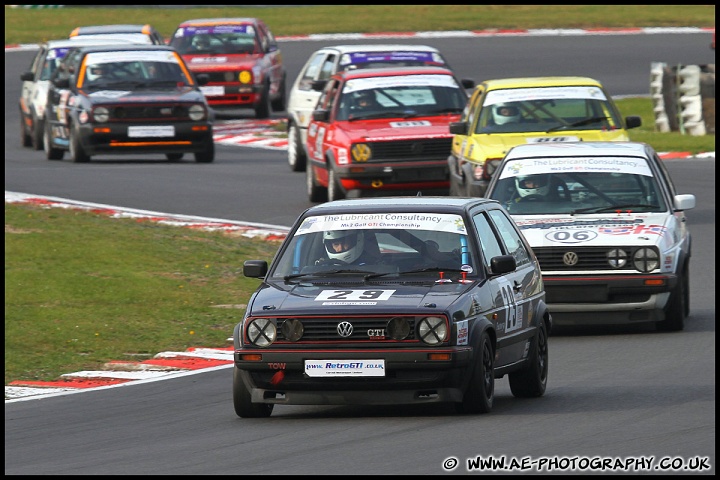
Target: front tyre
480, 392
278, 105
24, 135
262, 110
51, 152
37, 132
77, 152
678, 305
242, 400
315, 192
532, 380
334, 190
206, 156
296, 153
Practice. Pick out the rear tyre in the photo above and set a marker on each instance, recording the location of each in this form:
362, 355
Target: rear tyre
296, 153
242, 400
315, 192
480, 392
532, 381
678, 305
51, 152
77, 152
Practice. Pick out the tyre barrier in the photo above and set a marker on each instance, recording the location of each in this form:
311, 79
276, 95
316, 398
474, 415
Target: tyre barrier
683, 98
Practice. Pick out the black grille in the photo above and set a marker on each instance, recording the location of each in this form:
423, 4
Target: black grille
588, 258
421, 149
125, 113
326, 329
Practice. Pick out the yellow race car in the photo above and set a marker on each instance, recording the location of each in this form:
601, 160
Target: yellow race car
506, 112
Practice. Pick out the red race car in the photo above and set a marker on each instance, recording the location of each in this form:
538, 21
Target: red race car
383, 131
241, 58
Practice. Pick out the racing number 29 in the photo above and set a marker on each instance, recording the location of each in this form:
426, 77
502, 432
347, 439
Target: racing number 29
355, 295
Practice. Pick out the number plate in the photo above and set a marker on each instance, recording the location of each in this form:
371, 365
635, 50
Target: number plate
156, 131
345, 368
212, 91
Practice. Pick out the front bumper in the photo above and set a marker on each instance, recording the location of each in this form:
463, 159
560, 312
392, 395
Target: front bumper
607, 299
395, 176
189, 137
410, 377
232, 95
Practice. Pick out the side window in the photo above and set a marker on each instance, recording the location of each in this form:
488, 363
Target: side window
471, 109
328, 95
488, 241
511, 237
328, 68
312, 71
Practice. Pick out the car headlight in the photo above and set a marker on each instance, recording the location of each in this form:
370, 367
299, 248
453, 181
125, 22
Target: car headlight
617, 258
196, 112
101, 114
262, 332
398, 328
292, 329
432, 330
646, 259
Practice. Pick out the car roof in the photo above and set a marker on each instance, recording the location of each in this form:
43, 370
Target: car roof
100, 29
589, 149
220, 21
90, 40
417, 204
129, 46
380, 48
393, 71
525, 82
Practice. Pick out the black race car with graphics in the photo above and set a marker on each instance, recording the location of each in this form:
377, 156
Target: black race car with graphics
402, 300
127, 100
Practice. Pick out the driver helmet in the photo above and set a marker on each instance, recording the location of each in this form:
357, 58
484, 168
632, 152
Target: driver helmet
532, 185
344, 245
95, 71
504, 113
365, 98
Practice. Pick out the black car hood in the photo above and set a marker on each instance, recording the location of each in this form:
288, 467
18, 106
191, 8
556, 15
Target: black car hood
143, 95
279, 298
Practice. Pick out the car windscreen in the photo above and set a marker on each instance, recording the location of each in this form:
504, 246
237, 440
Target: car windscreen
547, 110
125, 69
215, 39
354, 60
400, 96
578, 185
384, 243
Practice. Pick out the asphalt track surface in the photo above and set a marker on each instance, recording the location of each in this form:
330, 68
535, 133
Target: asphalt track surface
622, 393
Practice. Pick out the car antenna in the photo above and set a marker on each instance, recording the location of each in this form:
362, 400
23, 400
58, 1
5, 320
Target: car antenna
419, 194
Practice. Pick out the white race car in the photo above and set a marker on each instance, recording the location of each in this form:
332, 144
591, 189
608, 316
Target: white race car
608, 228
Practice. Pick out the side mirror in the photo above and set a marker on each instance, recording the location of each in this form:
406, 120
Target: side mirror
502, 264
202, 78
61, 82
467, 83
684, 202
459, 128
27, 76
633, 121
318, 85
255, 268
320, 115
